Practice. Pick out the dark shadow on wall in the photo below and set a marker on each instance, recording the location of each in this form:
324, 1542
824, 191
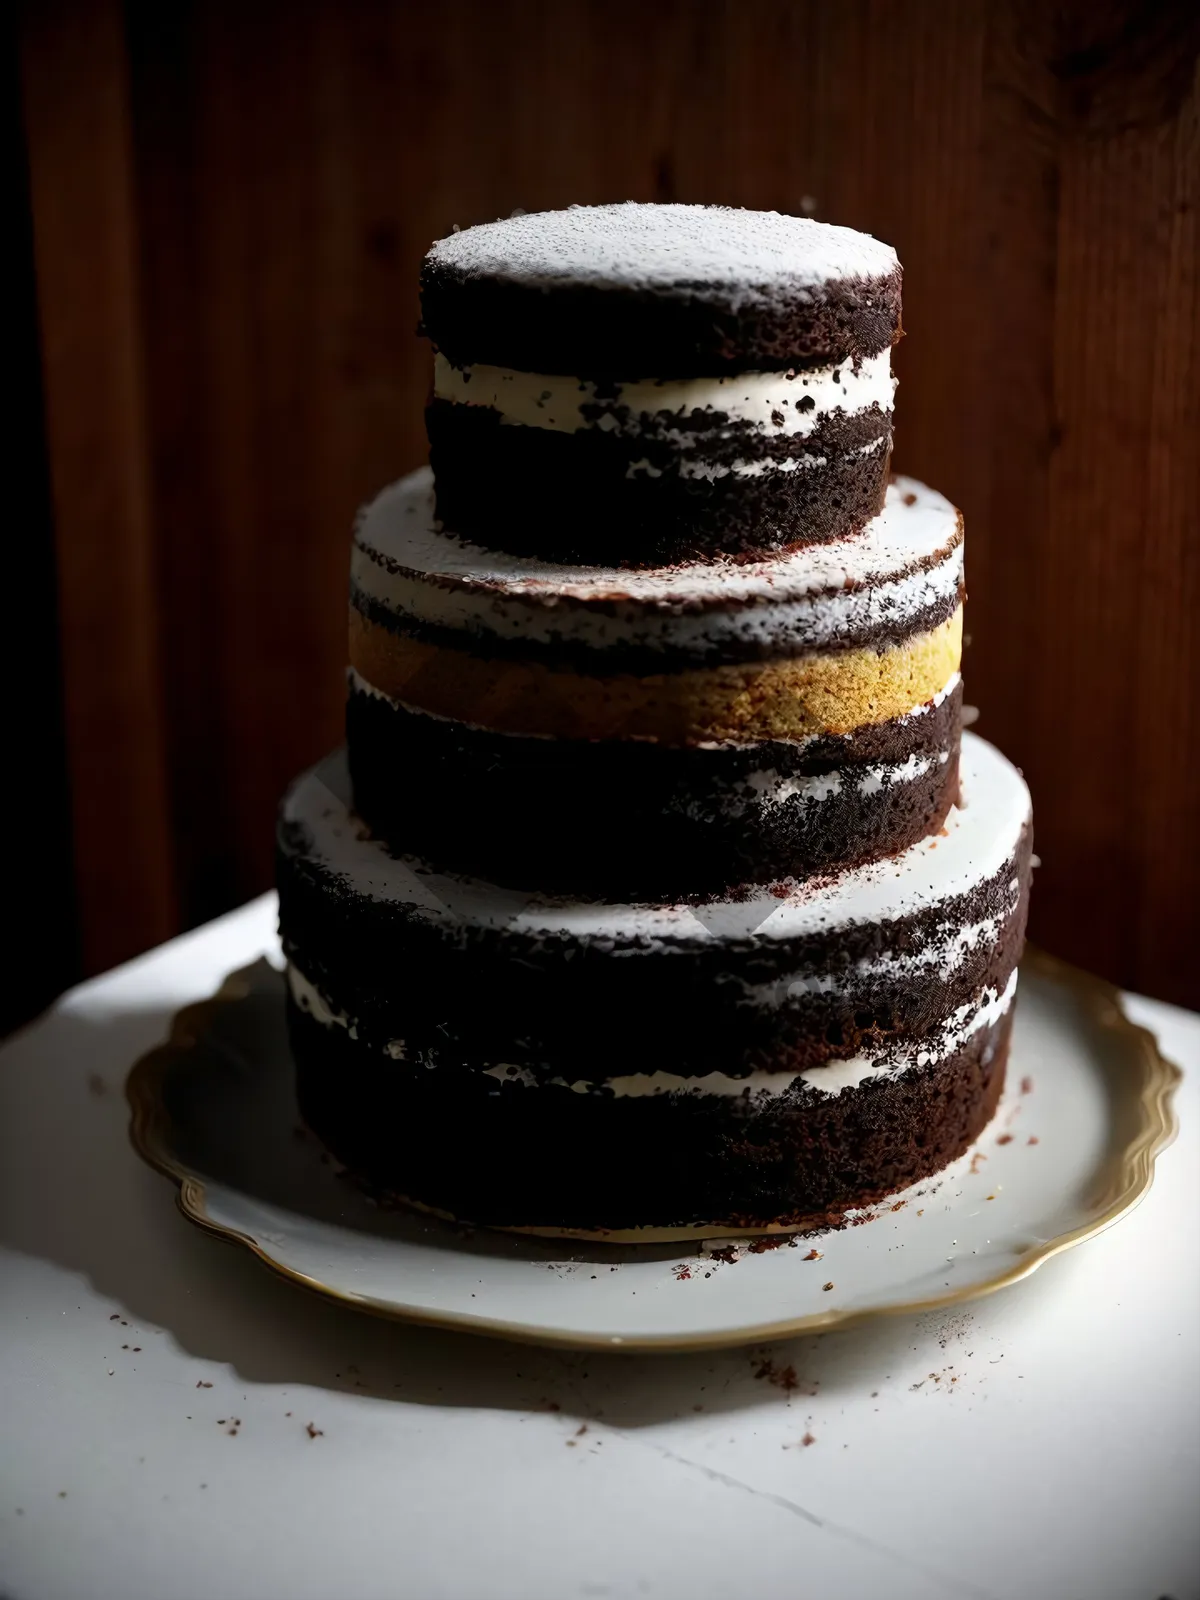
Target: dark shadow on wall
37, 874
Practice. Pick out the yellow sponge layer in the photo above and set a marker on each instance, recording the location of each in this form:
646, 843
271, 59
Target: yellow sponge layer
792, 698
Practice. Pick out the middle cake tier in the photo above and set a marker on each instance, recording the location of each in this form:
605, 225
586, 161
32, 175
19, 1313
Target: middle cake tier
669, 731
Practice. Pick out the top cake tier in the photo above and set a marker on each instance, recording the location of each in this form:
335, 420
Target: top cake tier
639, 384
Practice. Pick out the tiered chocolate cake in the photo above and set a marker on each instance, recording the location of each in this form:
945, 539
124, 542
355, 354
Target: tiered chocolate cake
653, 893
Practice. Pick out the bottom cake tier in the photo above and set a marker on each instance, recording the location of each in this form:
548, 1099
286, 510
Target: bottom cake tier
770, 1061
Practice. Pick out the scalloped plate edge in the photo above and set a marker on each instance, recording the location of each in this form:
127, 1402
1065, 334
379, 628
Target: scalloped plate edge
1134, 1175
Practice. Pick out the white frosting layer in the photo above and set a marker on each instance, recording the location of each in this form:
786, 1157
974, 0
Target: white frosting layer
977, 840
699, 467
310, 999
739, 257
905, 560
830, 1078
773, 404
769, 788
961, 1025
947, 949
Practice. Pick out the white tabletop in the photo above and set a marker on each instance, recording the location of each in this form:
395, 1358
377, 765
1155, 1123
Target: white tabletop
175, 1422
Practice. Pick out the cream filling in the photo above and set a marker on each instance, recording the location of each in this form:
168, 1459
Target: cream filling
711, 470
775, 404
830, 1078
883, 774
941, 958
769, 788
311, 1001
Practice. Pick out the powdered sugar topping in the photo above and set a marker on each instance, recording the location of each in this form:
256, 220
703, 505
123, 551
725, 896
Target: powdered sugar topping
719, 251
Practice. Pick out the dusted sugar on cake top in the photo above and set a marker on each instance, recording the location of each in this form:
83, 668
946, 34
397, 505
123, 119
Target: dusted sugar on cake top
629, 290
770, 1060
666, 731
716, 380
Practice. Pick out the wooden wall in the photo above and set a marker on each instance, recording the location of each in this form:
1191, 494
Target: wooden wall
229, 205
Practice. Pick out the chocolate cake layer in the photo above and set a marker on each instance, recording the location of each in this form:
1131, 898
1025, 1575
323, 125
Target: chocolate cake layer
504, 1155
831, 990
654, 291
634, 817
660, 487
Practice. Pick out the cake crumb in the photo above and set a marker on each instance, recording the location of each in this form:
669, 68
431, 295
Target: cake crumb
827, 1286
813, 1255
783, 1377
771, 1241
810, 1438
314, 1433
1005, 1138
1026, 1085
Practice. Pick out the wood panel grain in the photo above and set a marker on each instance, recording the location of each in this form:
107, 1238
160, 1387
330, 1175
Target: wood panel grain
85, 248
1036, 168
1085, 669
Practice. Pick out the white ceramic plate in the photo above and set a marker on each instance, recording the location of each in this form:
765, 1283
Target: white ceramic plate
1072, 1148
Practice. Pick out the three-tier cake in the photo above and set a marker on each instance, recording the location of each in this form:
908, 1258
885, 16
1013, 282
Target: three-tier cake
657, 891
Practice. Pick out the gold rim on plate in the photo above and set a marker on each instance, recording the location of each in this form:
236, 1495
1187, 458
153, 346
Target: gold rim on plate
1132, 1177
